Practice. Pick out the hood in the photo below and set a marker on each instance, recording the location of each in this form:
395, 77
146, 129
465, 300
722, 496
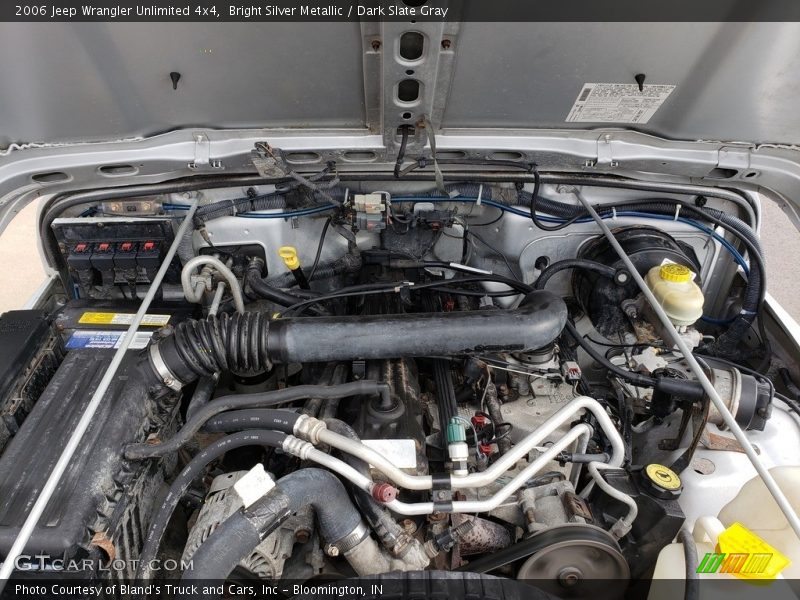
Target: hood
91, 104
67, 82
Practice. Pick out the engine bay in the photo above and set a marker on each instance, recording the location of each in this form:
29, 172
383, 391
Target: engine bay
337, 378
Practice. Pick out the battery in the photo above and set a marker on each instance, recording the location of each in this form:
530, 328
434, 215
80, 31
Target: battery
101, 491
101, 324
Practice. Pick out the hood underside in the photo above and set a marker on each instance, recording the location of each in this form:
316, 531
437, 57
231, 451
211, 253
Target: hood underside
97, 105
108, 81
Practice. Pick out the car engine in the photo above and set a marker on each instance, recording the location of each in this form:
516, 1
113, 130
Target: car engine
341, 378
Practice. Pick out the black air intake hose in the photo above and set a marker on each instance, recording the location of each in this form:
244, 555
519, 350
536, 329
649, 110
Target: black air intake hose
249, 342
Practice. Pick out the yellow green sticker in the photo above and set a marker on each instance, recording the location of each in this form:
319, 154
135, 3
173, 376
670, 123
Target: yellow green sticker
110, 318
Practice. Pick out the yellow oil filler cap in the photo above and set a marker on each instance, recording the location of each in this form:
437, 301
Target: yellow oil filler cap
289, 256
747, 556
675, 272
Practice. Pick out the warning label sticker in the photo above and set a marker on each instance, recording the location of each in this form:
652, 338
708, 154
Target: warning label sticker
87, 338
617, 103
402, 453
104, 318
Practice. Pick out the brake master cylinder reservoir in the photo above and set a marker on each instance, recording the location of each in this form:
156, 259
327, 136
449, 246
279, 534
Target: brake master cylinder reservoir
674, 287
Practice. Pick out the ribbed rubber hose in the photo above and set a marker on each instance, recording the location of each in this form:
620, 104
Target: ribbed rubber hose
251, 342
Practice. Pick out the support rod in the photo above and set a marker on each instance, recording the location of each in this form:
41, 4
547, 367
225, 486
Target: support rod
708, 387
75, 439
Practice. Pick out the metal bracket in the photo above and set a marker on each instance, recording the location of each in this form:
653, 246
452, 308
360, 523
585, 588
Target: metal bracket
714, 441
604, 157
202, 155
734, 158
265, 158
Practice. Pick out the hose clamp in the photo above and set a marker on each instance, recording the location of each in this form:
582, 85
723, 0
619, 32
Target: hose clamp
351, 540
167, 377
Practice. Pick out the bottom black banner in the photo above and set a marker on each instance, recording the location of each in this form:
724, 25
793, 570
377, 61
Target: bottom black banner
427, 585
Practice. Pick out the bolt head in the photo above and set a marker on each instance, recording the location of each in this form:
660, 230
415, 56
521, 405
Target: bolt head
409, 526
570, 576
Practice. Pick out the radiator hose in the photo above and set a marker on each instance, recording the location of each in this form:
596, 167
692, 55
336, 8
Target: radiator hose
250, 342
340, 523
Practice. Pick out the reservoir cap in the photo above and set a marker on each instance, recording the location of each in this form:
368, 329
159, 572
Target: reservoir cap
675, 272
661, 482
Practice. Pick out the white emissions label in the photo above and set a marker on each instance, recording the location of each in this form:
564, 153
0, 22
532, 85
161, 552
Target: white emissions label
617, 103
402, 453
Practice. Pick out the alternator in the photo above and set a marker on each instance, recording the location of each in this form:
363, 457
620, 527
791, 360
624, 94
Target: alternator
268, 559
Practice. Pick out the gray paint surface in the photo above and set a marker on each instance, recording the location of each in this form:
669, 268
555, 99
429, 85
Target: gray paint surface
94, 81
102, 81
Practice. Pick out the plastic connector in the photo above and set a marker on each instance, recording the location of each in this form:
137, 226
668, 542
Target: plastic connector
384, 492
571, 371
